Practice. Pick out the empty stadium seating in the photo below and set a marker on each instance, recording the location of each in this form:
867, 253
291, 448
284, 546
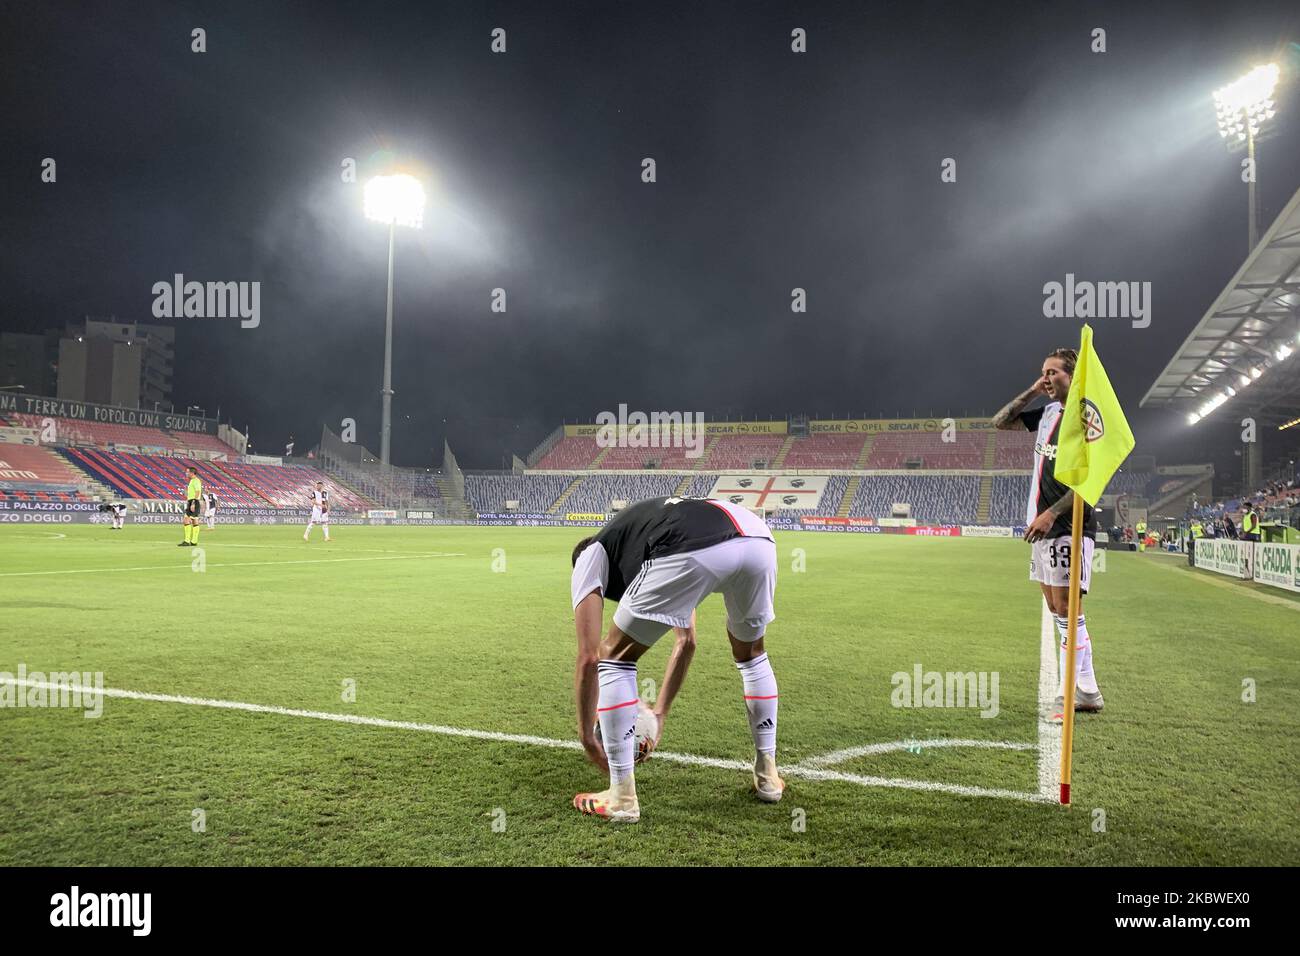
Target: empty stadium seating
743, 451
163, 477
33, 473
570, 452
935, 499
1008, 502
597, 491
289, 486
488, 494
1014, 449
825, 451
897, 449
73, 431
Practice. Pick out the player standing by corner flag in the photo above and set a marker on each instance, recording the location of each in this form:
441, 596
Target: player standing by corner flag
1094, 441
193, 492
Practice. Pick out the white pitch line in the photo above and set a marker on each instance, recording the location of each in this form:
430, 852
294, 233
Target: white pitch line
185, 565
798, 770
1049, 734
872, 750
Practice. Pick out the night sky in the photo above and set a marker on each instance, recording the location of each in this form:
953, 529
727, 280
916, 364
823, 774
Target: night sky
775, 170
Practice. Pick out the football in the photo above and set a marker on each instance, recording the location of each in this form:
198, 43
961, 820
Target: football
647, 727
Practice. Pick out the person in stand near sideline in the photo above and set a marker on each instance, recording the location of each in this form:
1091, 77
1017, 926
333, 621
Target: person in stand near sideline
1250, 523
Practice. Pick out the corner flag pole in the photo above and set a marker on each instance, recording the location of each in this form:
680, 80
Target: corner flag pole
1071, 636
1094, 441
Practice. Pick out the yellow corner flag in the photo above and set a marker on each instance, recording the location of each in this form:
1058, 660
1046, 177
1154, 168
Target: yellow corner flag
1094, 441
1095, 437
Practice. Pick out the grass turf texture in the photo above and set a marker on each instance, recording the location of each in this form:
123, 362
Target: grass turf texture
1185, 771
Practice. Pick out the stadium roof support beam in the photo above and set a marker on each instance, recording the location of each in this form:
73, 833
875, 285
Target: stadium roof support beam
1233, 351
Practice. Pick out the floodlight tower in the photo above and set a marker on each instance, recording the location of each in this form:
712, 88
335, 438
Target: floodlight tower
399, 201
1243, 107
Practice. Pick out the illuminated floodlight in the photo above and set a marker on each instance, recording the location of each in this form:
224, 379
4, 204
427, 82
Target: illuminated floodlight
1247, 103
1283, 353
1193, 418
1256, 372
396, 200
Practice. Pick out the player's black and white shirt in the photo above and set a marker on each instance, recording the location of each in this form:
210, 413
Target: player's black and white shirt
655, 528
209, 501
320, 499
1044, 489
119, 509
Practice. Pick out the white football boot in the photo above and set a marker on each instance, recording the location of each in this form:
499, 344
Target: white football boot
768, 785
618, 803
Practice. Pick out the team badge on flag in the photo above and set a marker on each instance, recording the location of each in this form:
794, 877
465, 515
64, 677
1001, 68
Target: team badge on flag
1095, 437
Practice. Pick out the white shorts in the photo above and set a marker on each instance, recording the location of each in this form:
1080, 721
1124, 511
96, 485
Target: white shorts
320, 517
1049, 562
668, 590
210, 513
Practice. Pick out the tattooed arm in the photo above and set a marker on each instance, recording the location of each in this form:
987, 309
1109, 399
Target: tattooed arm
1063, 504
1006, 419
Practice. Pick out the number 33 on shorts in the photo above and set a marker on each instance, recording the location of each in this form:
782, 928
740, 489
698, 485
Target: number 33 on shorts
1049, 562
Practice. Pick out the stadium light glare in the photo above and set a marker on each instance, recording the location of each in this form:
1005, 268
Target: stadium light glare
1193, 418
1252, 92
396, 200
1256, 372
1283, 353
1241, 108
1245, 380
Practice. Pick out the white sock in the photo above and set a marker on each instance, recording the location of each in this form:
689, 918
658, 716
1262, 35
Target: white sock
760, 702
326, 529
307, 532
1084, 679
1087, 679
616, 707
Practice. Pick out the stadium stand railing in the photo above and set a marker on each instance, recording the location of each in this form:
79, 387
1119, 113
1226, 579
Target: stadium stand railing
386, 486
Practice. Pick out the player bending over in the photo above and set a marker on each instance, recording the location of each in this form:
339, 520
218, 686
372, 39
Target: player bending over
193, 494
320, 511
210, 510
118, 509
660, 559
1048, 517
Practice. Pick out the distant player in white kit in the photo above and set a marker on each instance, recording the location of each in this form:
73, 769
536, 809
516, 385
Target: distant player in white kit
1048, 516
210, 509
320, 511
660, 559
119, 515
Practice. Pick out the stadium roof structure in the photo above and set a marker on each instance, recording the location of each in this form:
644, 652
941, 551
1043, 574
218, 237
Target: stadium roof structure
1241, 350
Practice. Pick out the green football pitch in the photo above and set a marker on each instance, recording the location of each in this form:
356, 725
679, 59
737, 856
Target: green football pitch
405, 696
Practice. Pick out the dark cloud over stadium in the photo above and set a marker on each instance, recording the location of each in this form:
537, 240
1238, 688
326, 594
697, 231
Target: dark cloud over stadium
775, 171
